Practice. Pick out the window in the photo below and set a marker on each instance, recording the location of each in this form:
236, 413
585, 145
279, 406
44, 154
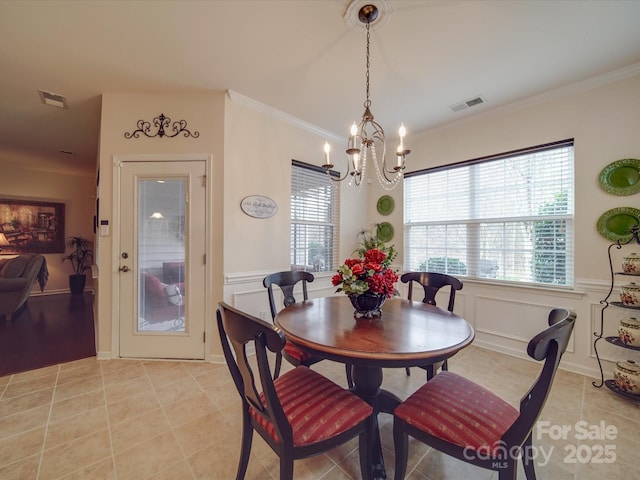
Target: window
314, 219
507, 217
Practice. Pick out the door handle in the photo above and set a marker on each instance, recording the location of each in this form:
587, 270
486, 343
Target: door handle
124, 268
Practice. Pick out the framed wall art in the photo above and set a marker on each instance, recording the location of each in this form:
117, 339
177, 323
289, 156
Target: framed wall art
31, 226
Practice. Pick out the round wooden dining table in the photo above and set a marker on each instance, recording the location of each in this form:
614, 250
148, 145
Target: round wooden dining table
407, 334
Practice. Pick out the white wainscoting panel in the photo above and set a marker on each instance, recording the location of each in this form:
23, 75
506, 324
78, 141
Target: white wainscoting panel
507, 325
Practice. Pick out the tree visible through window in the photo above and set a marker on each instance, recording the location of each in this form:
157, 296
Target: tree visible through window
507, 217
314, 219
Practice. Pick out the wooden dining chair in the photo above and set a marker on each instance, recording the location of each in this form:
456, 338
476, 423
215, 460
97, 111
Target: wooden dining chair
288, 281
460, 418
299, 414
432, 282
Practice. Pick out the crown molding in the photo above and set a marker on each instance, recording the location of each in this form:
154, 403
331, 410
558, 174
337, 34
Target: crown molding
240, 99
564, 91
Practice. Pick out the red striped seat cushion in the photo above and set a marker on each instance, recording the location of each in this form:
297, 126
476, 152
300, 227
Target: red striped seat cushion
459, 411
316, 407
294, 352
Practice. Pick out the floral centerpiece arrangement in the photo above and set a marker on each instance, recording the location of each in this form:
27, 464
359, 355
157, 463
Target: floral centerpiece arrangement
368, 280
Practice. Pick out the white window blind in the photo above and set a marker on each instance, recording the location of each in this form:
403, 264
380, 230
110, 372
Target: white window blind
507, 217
314, 219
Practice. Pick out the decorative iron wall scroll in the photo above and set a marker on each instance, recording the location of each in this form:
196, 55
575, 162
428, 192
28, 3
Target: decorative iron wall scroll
160, 123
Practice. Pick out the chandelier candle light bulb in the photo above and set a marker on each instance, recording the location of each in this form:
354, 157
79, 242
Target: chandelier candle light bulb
327, 149
401, 132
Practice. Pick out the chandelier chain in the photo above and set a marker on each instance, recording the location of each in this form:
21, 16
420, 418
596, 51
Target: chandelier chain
367, 102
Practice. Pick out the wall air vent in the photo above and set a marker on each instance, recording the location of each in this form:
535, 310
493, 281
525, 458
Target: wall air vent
52, 99
472, 102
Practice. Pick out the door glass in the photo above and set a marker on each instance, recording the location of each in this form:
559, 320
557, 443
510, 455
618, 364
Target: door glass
161, 255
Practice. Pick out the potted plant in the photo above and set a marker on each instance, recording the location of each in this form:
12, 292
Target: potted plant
78, 251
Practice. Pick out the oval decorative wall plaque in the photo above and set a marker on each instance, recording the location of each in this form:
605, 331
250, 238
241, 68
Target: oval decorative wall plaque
258, 206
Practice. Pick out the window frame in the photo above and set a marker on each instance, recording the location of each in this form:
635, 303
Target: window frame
473, 252
317, 175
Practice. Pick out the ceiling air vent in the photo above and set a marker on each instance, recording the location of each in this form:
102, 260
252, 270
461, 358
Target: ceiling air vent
468, 103
52, 99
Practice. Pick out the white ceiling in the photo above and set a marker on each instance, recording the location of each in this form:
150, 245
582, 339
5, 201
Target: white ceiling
298, 56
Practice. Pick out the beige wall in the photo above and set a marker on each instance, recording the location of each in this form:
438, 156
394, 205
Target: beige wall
602, 116
604, 121
204, 113
16, 182
260, 143
257, 144
259, 147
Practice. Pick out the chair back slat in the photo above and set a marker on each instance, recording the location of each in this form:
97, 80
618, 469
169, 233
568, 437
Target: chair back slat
560, 326
432, 282
549, 345
287, 281
237, 331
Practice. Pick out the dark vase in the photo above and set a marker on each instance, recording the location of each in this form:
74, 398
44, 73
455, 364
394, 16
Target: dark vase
77, 282
367, 305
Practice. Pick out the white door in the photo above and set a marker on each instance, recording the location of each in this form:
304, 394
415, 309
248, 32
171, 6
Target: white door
162, 277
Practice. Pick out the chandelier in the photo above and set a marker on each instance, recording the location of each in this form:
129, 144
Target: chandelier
366, 139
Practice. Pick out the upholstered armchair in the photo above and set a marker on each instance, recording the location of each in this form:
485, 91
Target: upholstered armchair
17, 277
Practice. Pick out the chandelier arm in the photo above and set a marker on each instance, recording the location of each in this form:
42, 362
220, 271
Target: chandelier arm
357, 177
378, 134
344, 177
394, 179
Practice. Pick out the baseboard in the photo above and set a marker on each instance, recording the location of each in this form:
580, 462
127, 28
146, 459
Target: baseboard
104, 356
564, 365
57, 292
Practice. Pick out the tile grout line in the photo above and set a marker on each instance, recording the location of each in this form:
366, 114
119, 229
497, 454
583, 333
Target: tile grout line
46, 425
106, 407
155, 392
66, 419
585, 382
4, 390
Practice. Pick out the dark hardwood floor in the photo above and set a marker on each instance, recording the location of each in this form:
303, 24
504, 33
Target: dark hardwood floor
48, 330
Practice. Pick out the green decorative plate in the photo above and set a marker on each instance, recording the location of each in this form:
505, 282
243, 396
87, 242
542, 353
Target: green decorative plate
621, 177
615, 224
385, 205
385, 231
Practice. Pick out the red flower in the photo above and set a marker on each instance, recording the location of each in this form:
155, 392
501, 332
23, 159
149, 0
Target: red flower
357, 269
336, 279
375, 256
350, 262
376, 267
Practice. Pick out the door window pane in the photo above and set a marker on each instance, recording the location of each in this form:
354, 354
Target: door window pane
161, 255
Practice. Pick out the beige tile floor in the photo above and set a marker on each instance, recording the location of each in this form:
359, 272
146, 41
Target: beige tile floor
140, 420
